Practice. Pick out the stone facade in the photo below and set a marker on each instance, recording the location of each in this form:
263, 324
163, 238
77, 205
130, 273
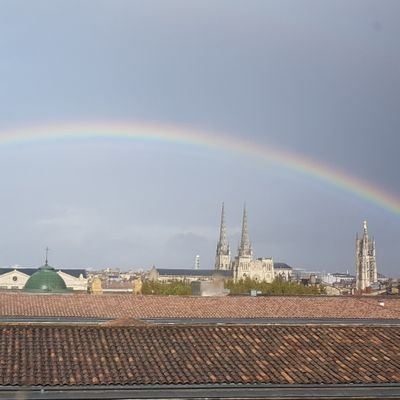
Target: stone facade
283, 271
74, 282
13, 280
261, 269
244, 265
366, 271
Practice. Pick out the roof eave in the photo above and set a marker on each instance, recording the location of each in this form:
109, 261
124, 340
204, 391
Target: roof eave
343, 391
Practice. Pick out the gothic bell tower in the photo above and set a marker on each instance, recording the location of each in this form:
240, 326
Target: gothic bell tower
366, 272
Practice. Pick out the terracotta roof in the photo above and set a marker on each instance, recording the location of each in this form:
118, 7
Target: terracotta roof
124, 322
144, 355
129, 306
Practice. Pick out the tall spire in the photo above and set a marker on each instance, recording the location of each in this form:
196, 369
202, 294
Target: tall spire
47, 254
245, 245
223, 256
223, 245
365, 229
366, 241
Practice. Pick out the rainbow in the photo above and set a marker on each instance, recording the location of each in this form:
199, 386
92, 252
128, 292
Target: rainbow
208, 140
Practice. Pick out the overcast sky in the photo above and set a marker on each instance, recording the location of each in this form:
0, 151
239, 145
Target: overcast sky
317, 78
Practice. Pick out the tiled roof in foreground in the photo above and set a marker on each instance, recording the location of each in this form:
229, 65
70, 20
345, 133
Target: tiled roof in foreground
129, 306
189, 355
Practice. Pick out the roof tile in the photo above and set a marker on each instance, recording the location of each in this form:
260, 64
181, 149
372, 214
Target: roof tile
140, 307
173, 354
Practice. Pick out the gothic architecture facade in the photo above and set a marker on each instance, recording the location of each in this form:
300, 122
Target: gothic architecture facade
366, 272
243, 265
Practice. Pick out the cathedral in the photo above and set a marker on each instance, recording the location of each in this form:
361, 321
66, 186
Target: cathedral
243, 265
366, 272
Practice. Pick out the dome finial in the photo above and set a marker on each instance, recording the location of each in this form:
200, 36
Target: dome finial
47, 253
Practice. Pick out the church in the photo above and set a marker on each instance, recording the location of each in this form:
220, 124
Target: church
366, 271
243, 265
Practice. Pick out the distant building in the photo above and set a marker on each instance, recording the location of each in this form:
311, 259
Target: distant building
45, 280
187, 275
113, 275
283, 271
304, 276
16, 278
97, 286
366, 271
244, 265
338, 278
338, 283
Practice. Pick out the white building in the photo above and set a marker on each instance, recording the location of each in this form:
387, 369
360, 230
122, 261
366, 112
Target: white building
338, 278
15, 278
283, 271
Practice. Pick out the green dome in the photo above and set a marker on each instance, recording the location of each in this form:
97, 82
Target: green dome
45, 280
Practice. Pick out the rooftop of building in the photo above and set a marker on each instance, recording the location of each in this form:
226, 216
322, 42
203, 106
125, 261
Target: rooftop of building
19, 304
342, 274
45, 280
229, 347
163, 355
281, 265
192, 272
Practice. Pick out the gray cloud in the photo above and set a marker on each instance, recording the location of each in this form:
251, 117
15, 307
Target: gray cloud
316, 78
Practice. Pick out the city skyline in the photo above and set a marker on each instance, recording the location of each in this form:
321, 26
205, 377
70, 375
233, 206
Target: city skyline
225, 249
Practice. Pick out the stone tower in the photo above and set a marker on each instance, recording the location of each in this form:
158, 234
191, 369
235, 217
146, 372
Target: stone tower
242, 265
223, 255
245, 245
366, 272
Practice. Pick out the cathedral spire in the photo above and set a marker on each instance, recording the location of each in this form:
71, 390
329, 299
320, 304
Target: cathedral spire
223, 245
222, 259
245, 245
47, 256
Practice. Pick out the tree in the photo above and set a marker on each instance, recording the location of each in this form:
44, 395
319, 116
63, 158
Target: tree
278, 286
167, 288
